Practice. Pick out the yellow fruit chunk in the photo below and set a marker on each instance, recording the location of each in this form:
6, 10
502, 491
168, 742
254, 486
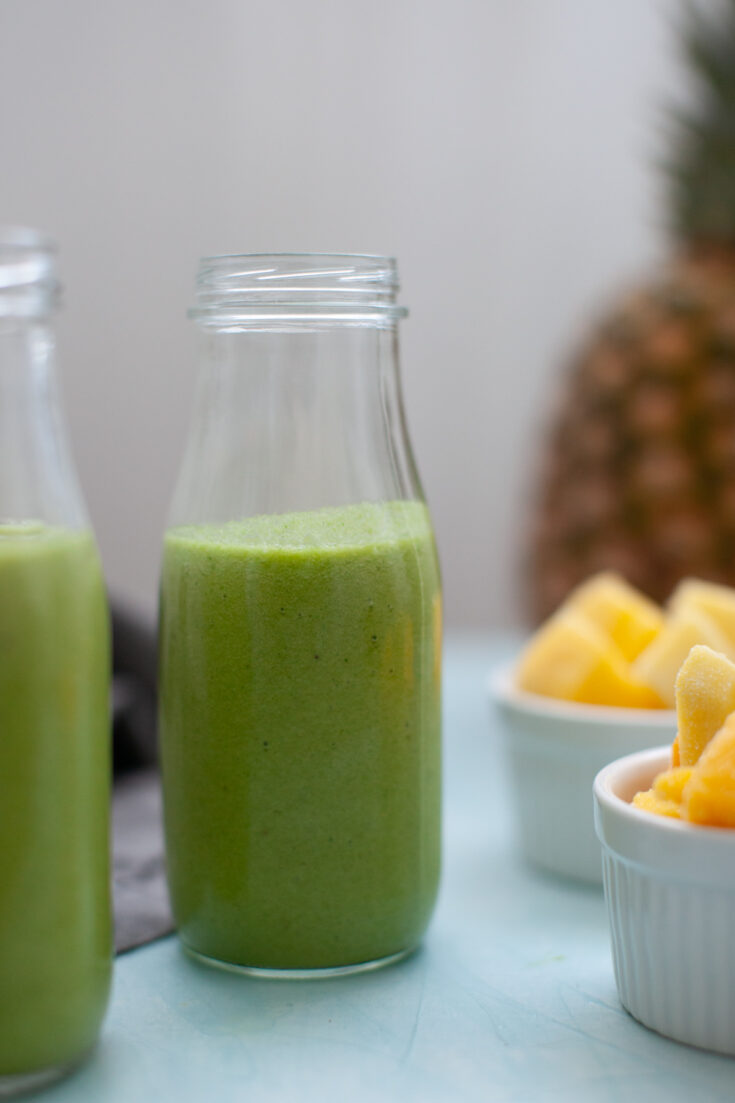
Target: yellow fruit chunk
648, 801
573, 659
625, 614
716, 602
675, 755
670, 784
709, 795
705, 697
659, 664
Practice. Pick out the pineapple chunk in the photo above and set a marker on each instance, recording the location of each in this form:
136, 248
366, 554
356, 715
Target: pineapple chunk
571, 658
649, 801
675, 755
665, 796
705, 697
629, 618
659, 664
670, 784
716, 602
709, 795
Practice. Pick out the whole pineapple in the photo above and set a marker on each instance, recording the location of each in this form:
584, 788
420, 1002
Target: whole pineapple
639, 472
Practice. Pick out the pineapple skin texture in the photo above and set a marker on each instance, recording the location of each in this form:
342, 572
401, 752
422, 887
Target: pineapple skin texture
635, 472
572, 659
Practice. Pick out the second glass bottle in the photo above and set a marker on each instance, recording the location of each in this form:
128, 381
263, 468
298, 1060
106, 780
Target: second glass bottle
55, 908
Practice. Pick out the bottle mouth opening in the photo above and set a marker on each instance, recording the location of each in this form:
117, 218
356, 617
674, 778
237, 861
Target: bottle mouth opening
28, 283
255, 289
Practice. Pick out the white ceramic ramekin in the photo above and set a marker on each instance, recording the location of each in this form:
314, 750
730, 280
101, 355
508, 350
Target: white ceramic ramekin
553, 750
670, 889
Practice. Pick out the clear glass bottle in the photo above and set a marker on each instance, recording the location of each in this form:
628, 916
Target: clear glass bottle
300, 630
55, 918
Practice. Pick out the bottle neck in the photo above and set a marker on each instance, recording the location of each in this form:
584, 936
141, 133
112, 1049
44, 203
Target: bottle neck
37, 479
295, 419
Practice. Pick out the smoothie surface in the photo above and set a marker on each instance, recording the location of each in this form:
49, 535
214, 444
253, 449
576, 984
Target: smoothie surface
331, 530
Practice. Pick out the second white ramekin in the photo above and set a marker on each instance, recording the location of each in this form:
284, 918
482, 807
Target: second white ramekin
553, 750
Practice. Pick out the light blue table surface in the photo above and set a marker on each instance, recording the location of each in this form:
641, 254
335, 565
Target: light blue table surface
511, 998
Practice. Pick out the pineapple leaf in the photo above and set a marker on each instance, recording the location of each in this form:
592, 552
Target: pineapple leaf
701, 169
709, 56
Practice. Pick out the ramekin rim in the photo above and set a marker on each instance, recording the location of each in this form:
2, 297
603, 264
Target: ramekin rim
649, 821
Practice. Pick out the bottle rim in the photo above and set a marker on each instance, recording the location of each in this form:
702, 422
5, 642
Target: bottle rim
255, 290
28, 282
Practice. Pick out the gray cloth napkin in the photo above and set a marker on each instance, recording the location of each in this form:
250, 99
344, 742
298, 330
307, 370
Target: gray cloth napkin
142, 910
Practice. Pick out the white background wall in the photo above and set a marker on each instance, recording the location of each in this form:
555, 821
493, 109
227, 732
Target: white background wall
502, 149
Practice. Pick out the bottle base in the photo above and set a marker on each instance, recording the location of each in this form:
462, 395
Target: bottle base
259, 972
22, 1083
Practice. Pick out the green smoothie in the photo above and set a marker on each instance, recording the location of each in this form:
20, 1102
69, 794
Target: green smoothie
55, 923
300, 734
